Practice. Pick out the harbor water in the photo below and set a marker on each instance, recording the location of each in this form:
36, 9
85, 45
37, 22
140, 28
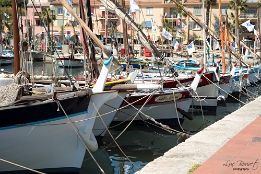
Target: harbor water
128, 148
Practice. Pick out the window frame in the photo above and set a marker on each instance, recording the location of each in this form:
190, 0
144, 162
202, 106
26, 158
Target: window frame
149, 11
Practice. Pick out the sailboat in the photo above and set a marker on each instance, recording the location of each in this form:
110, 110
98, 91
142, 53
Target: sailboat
51, 132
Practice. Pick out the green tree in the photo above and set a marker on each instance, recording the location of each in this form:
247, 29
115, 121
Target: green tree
236, 6
6, 3
209, 4
167, 24
47, 18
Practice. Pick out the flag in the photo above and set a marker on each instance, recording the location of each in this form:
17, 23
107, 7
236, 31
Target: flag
134, 6
70, 2
66, 13
6, 15
166, 34
177, 21
209, 47
175, 44
216, 45
229, 37
153, 29
6, 29
183, 25
165, 15
191, 48
248, 26
134, 16
232, 45
178, 33
255, 32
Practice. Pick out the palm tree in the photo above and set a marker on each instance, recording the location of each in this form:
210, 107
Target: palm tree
167, 24
177, 11
47, 18
209, 5
237, 5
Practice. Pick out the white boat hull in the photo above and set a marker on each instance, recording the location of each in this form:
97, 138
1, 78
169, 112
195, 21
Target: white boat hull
107, 113
33, 147
163, 112
209, 104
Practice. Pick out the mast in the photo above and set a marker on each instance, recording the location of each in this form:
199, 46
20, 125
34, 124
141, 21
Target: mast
237, 27
204, 36
16, 38
88, 30
125, 38
258, 42
1, 26
106, 26
221, 28
95, 69
227, 36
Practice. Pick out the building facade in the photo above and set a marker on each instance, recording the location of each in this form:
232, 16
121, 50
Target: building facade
163, 13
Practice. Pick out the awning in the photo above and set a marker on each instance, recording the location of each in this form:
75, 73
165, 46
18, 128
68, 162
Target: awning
102, 8
146, 24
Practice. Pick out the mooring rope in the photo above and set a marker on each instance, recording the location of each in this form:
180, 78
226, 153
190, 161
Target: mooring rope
77, 132
162, 125
9, 162
114, 140
224, 90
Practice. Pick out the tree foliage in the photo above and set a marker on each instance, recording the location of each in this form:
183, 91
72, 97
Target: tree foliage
8, 3
241, 6
5, 3
209, 5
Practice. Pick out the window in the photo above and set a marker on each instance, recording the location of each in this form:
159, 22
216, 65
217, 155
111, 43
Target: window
27, 22
251, 10
75, 9
197, 11
39, 23
59, 22
224, 10
172, 12
193, 25
149, 10
60, 10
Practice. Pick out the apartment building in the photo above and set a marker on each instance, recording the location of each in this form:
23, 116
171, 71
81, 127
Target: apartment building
106, 24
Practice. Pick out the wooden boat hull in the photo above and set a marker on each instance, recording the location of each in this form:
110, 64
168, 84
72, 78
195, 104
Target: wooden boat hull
106, 115
161, 107
37, 135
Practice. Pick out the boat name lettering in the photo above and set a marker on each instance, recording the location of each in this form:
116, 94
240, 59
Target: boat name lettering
165, 98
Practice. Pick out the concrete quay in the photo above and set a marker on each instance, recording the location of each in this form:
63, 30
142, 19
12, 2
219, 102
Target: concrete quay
230, 145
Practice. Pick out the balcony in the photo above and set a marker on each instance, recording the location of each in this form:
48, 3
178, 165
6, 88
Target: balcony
110, 16
245, 31
37, 14
171, 17
101, 30
170, 1
248, 15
